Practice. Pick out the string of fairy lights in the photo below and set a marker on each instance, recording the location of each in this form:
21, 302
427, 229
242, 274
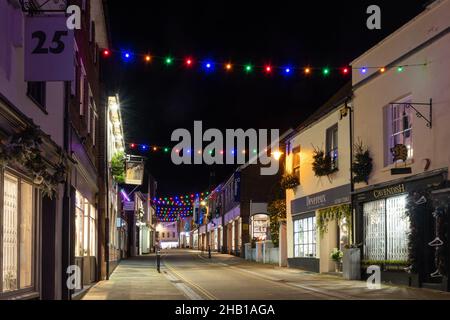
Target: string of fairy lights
209, 65
174, 208
149, 148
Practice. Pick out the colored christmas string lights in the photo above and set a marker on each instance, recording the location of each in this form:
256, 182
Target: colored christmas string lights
268, 69
168, 150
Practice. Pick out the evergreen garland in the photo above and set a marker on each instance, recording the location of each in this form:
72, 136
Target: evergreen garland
322, 164
337, 213
277, 212
362, 165
290, 182
24, 149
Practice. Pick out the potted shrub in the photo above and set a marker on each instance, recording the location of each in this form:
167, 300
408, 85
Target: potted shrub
336, 256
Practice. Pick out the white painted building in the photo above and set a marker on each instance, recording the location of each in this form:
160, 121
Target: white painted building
30, 222
406, 107
327, 130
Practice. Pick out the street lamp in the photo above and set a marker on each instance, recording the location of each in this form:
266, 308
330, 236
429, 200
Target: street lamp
277, 155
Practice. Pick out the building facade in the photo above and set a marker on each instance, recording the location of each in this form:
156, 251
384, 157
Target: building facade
86, 197
401, 115
318, 209
32, 156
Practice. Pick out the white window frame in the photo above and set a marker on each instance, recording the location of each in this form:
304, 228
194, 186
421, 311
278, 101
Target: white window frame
35, 270
309, 234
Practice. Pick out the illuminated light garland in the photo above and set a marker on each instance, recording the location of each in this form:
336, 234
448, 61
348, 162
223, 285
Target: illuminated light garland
229, 66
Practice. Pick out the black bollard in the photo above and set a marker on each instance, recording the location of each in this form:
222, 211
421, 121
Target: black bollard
158, 261
209, 252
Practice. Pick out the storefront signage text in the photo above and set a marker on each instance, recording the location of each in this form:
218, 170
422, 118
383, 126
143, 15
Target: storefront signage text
390, 191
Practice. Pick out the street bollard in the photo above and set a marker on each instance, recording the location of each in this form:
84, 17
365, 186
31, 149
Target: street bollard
209, 252
158, 261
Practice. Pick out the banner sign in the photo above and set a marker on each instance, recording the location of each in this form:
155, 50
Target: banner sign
49, 49
134, 174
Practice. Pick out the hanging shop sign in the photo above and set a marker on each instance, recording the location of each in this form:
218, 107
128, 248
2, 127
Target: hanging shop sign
49, 49
327, 198
134, 174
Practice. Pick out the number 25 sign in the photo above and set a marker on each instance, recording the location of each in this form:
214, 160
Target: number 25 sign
49, 49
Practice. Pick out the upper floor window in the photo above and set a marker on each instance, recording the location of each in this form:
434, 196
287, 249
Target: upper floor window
296, 162
37, 92
399, 129
332, 145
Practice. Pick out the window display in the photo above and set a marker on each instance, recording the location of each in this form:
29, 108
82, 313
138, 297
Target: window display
305, 237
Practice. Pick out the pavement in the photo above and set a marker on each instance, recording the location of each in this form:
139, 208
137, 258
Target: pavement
190, 275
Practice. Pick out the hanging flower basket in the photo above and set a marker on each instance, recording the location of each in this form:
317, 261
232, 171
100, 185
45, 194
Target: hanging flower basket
290, 182
322, 164
362, 165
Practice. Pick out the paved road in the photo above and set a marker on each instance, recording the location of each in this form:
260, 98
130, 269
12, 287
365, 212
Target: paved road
188, 274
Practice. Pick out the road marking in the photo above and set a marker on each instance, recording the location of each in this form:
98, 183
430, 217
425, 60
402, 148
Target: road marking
313, 291
188, 292
209, 295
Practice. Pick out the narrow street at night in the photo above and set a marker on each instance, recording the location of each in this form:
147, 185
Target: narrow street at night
225, 159
191, 275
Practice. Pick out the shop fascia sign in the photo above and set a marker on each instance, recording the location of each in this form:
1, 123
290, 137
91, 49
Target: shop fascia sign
389, 191
327, 198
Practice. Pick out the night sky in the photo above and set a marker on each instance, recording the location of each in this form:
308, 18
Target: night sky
157, 99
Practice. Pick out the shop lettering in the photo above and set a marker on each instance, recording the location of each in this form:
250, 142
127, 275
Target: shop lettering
389, 191
314, 201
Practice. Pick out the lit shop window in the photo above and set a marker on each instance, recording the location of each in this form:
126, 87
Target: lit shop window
296, 162
305, 237
398, 120
85, 227
386, 228
260, 223
18, 218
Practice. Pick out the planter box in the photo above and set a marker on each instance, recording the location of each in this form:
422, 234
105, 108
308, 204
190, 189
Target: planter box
352, 264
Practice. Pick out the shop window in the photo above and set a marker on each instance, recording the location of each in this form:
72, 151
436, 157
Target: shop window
37, 92
85, 227
399, 129
296, 162
18, 220
260, 224
332, 145
386, 228
305, 237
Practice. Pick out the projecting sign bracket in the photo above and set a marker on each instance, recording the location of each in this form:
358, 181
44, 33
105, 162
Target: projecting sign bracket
414, 105
43, 6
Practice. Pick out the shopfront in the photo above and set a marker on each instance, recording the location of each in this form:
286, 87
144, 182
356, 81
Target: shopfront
320, 224
86, 238
403, 228
19, 218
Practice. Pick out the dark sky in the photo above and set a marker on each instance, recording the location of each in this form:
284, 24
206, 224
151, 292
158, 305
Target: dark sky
156, 99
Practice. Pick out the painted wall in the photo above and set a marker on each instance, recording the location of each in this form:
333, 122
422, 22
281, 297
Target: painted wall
420, 83
307, 139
